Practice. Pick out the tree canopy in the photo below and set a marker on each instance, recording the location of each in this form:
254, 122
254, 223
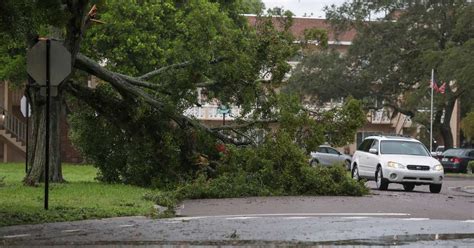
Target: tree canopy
467, 126
391, 58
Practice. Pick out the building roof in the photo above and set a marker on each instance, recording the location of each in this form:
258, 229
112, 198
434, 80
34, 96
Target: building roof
300, 24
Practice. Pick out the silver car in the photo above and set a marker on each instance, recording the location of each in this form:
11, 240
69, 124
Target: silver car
328, 156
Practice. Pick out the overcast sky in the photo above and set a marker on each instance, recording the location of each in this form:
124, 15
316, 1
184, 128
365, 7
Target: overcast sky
299, 7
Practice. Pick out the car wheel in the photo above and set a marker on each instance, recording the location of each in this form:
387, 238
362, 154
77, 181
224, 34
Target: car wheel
314, 163
408, 186
347, 164
435, 188
355, 173
381, 182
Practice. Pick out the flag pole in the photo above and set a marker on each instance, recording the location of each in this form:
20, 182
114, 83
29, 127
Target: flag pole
431, 111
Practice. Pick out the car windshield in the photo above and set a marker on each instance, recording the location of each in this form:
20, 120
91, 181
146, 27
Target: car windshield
403, 148
454, 152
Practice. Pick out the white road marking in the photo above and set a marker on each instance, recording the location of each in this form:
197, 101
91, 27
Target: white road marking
70, 231
241, 218
190, 218
126, 225
16, 236
290, 215
468, 221
416, 219
356, 217
296, 218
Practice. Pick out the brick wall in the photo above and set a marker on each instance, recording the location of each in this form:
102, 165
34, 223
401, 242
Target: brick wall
300, 24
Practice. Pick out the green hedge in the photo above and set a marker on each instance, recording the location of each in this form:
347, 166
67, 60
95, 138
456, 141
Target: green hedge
470, 167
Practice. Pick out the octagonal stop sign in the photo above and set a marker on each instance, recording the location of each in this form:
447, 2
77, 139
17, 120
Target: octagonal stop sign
59, 62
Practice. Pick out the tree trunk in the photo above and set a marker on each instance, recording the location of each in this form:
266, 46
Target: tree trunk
36, 148
445, 127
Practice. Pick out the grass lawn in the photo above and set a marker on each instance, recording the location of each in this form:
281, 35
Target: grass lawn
81, 198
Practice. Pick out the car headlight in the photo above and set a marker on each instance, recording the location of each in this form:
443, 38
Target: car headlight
392, 164
438, 167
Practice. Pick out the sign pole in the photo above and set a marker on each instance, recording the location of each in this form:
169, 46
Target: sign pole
27, 129
49, 74
48, 84
431, 111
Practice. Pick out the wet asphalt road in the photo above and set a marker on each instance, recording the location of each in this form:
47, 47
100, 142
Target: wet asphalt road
392, 217
245, 230
454, 202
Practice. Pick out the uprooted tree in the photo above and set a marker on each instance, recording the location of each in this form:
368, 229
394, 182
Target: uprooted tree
149, 58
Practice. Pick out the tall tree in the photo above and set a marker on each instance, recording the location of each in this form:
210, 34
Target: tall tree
392, 56
253, 6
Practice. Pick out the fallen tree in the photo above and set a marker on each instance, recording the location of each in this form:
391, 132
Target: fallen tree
150, 58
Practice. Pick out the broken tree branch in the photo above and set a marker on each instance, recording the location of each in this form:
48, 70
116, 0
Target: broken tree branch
126, 89
163, 69
174, 66
244, 125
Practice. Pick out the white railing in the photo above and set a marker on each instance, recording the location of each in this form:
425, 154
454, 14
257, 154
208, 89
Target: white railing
12, 124
209, 112
380, 116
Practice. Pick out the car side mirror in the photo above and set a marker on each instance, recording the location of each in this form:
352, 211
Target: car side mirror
373, 150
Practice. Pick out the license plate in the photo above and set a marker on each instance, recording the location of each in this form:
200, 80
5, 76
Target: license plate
444, 159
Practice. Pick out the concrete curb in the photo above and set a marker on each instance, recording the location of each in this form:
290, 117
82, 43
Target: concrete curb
465, 176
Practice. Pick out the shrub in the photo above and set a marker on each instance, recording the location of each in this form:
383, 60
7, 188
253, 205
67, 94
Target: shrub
330, 181
470, 167
2, 181
225, 186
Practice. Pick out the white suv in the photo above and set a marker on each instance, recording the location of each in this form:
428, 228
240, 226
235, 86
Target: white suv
393, 159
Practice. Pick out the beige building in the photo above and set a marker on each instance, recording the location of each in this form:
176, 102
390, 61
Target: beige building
13, 129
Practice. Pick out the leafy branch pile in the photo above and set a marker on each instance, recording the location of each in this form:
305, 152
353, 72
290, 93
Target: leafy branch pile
276, 168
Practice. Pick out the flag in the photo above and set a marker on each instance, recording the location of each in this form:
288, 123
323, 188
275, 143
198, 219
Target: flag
442, 88
434, 85
438, 89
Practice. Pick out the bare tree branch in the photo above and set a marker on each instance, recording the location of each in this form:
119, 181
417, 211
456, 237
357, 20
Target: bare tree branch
250, 140
88, 65
163, 69
174, 66
244, 125
131, 80
406, 112
206, 84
